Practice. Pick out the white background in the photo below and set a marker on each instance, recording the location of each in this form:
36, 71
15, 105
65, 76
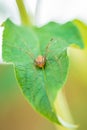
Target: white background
59, 10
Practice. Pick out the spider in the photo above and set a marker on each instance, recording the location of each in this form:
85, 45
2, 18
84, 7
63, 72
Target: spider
40, 61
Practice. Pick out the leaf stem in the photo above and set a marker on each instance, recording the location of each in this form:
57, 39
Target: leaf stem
25, 18
63, 109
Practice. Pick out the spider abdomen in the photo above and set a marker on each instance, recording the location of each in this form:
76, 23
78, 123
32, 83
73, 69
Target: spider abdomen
40, 61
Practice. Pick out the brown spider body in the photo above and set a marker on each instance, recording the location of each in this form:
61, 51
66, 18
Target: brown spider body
40, 61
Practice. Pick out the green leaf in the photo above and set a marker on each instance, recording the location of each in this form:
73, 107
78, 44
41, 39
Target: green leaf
83, 30
68, 31
22, 45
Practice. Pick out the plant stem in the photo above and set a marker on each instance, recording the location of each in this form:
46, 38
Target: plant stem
62, 109
25, 18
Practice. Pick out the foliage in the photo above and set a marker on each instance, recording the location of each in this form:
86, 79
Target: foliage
21, 46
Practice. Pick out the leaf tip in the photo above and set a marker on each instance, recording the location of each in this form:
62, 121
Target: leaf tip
66, 124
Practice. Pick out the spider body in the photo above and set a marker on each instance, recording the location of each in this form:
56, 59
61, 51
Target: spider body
40, 61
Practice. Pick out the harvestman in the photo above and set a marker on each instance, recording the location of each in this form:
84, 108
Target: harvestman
41, 60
